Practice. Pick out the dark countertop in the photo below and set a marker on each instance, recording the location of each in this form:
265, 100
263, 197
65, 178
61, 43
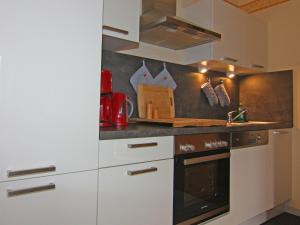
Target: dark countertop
137, 130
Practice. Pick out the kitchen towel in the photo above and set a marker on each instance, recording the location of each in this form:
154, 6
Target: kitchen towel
210, 93
141, 76
222, 94
165, 79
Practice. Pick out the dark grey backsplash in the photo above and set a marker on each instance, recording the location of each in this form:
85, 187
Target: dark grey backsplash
189, 99
268, 96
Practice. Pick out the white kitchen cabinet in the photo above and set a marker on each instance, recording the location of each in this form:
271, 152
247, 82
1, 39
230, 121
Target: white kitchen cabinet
136, 194
251, 182
62, 200
121, 19
49, 85
281, 143
135, 150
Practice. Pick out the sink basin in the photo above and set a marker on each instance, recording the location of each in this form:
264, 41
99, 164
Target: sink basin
234, 124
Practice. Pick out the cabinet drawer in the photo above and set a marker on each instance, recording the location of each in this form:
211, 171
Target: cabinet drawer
136, 194
69, 199
135, 150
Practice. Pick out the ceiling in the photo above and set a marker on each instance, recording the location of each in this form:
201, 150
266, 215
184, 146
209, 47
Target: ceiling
251, 6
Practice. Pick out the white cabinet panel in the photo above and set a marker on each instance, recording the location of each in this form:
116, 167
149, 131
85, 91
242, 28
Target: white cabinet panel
135, 150
146, 198
49, 84
124, 16
73, 201
281, 142
251, 182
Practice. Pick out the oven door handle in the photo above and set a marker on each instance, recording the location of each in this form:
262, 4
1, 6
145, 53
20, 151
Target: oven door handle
203, 159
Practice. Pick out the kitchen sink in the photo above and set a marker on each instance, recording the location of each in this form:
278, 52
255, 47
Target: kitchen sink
234, 124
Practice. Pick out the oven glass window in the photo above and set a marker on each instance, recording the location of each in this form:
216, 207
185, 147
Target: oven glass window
205, 182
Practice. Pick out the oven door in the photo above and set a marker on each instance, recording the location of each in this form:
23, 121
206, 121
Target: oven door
201, 186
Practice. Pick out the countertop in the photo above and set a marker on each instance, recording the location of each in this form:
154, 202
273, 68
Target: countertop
137, 130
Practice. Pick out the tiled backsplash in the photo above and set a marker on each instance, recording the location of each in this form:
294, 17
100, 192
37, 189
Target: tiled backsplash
189, 99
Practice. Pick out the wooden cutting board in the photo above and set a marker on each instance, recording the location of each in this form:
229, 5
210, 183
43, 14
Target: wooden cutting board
162, 99
185, 122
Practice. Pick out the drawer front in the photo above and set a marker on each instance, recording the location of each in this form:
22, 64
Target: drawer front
69, 199
136, 194
127, 151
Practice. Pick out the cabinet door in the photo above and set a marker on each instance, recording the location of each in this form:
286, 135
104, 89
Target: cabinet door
69, 199
281, 142
122, 19
49, 84
251, 182
230, 22
257, 44
136, 194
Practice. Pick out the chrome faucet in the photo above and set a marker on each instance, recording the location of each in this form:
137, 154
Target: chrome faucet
230, 115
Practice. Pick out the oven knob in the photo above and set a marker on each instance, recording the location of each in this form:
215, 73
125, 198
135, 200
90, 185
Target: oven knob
187, 148
225, 144
208, 145
220, 144
214, 144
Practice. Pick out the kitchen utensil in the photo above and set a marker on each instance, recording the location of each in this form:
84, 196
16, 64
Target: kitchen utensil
185, 122
222, 94
106, 110
210, 93
165, 79
120, 113
106, 82
162, 99
141, 76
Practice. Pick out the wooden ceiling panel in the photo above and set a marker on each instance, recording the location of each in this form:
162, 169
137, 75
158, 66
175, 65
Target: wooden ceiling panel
251, 6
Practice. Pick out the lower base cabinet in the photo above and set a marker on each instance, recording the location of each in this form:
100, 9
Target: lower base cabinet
252, 182
136, 194
69, 199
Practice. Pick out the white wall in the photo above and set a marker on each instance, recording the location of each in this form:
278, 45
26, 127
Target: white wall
284, 53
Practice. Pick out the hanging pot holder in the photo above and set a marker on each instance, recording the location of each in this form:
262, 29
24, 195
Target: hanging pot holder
164, 78
141, 76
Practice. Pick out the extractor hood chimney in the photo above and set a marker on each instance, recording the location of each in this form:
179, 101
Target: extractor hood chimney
160, 26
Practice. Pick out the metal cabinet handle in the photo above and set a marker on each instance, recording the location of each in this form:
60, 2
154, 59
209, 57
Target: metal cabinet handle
280, 132
138, 172
198, 160
143, 145
229, 59
13, 193
114, 29
257, 66
17, 173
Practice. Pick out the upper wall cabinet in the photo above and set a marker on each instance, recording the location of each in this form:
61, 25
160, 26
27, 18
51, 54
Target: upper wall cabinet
121, 24
244, 38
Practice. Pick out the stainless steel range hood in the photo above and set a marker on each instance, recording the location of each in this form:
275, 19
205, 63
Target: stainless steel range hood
160, 26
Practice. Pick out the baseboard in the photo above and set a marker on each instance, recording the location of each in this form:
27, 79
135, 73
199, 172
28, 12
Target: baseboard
292, 210
265, 216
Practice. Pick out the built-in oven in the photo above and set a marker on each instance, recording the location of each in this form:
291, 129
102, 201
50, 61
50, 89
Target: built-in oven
201, 177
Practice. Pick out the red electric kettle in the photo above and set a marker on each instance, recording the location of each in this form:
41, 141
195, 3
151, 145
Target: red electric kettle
120, 113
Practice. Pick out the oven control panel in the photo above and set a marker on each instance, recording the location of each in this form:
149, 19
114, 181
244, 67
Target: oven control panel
216, 144
201, 142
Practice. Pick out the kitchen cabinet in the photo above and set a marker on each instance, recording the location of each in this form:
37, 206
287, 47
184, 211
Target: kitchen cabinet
251, 182
49, 86
53, 200
121, 20
244, 37
135, 150
136, 194
281, 143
